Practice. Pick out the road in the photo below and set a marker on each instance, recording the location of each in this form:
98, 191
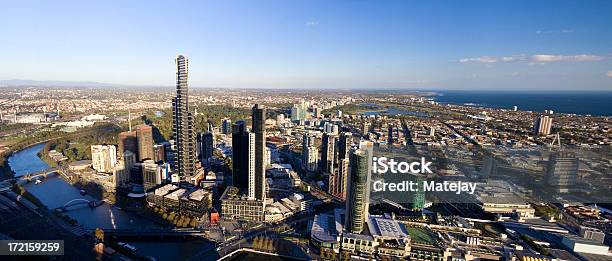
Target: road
229, 247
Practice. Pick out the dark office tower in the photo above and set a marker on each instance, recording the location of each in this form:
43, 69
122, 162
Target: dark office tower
144, 133
344, 145
206, 145
128, 141
328, 153
562, 171
226, 126
390, 135
259, 128
357, 198
184, 136
240, 156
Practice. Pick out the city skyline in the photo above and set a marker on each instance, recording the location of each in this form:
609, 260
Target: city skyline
345, 130
356, 45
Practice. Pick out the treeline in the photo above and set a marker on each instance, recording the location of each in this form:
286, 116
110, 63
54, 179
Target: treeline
162, 125
176, 219
78, 147
16, 126
352, 108
271, 245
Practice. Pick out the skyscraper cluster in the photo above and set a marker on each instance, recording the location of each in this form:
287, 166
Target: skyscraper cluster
249, 155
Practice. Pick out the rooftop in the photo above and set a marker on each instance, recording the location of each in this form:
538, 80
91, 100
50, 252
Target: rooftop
176, 194
385, 227
165, 189
197, 195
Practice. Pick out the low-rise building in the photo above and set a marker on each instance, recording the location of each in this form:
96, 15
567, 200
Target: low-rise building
234, 206
196, 204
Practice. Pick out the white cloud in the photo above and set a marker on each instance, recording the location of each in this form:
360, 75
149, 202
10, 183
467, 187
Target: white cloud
563, 31
609, 73
483, 59
566, 58
538, 58
312, 23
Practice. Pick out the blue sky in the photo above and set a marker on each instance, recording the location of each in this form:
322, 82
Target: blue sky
492, 45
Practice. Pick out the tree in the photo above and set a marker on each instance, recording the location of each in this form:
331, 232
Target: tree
99, 235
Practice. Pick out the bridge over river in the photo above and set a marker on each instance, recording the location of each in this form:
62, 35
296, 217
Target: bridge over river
46, 173
79, 201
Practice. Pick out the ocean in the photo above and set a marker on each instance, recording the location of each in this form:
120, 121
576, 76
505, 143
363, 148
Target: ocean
593, 103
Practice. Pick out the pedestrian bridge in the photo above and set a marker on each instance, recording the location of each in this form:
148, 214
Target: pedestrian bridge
40, 174
80, 201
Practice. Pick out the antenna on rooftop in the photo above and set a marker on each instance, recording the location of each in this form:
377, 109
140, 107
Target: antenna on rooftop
556, 139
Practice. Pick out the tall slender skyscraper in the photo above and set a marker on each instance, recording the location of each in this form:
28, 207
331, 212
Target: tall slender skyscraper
259, 128
309, 153
328, 153
358, 194
344, 145
184, 136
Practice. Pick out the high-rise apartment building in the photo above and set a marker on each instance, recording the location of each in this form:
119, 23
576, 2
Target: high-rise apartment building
311, 158
144, 134
184, 136
344, 145
337, 181
365, 127
259, 129
122, 170
103, 158
127, 141
542, 125
151, 174
310, 153
328, 153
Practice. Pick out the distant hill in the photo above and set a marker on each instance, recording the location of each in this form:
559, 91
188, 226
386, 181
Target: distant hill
19, 82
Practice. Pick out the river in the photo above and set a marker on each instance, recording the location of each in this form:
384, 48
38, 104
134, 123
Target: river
54, 192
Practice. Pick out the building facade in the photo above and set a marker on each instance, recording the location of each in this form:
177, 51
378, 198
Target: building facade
358, 194
259, 129
103, 158
144, 134
184, 136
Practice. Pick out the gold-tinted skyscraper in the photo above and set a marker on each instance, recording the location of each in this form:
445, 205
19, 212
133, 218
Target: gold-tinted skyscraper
182, 127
